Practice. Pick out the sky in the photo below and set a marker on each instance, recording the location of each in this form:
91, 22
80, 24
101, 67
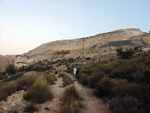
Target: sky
26, 24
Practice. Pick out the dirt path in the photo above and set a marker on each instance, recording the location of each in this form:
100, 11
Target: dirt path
91, 103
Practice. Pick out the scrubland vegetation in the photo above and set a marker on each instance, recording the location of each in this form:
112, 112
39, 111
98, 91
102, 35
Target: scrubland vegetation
30, 108
37, 87
71, 101
40, 92
11, 87
126, 82
66, 78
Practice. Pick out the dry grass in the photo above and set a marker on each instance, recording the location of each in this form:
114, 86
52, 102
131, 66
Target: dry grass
11, 87
40, 92
50, 78
30, 108
126, 105
7, 89
62, 74
104, 88
71, 101
26, 82
66, 80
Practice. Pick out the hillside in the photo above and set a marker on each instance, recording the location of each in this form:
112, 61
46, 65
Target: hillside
97, 46
123, 34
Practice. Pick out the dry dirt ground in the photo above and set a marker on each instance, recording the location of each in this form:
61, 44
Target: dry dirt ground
91, 104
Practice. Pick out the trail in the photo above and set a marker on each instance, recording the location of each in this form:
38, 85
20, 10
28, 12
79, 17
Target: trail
91, 103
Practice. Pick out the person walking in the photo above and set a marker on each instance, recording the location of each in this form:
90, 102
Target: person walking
74, 73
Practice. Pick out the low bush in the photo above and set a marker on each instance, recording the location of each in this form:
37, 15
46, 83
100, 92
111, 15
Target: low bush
7, 89
66, 80
140, 92
56, 72
26, 82
83, 78
62, 74
30, 108
125, 54
104, 88
125, 105
50, 78
40, 92
11, 69
144, 79
71, 101
93, 79
11, 87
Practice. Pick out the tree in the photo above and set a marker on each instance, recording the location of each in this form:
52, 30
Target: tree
11, 69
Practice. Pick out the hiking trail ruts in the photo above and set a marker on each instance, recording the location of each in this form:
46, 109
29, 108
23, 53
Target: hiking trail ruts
91, 103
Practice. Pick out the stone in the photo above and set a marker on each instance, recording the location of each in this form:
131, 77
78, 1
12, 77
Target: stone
2, 102
4, 108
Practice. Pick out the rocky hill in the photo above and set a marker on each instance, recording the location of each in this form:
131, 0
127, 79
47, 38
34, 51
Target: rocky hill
118, 35
94, 46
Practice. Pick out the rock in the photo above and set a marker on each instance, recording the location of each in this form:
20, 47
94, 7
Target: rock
13, 104
4, 108
2, 102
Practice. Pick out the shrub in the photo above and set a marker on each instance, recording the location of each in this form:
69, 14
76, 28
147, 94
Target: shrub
92, 80
104, 88
29, 68
83, 78
51, 78
66, 80
62, 74
125, 105
7, 89
140, 92
56, 72
10, 69
144, 79
71, 101
87, 70
125, 54
30, 108
11, 87
40, 92
25, 82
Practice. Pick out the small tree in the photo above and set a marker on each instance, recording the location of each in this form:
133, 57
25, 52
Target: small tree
11, 69
125, 54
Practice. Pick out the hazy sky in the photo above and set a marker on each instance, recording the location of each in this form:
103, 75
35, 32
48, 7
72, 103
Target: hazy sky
26, 24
